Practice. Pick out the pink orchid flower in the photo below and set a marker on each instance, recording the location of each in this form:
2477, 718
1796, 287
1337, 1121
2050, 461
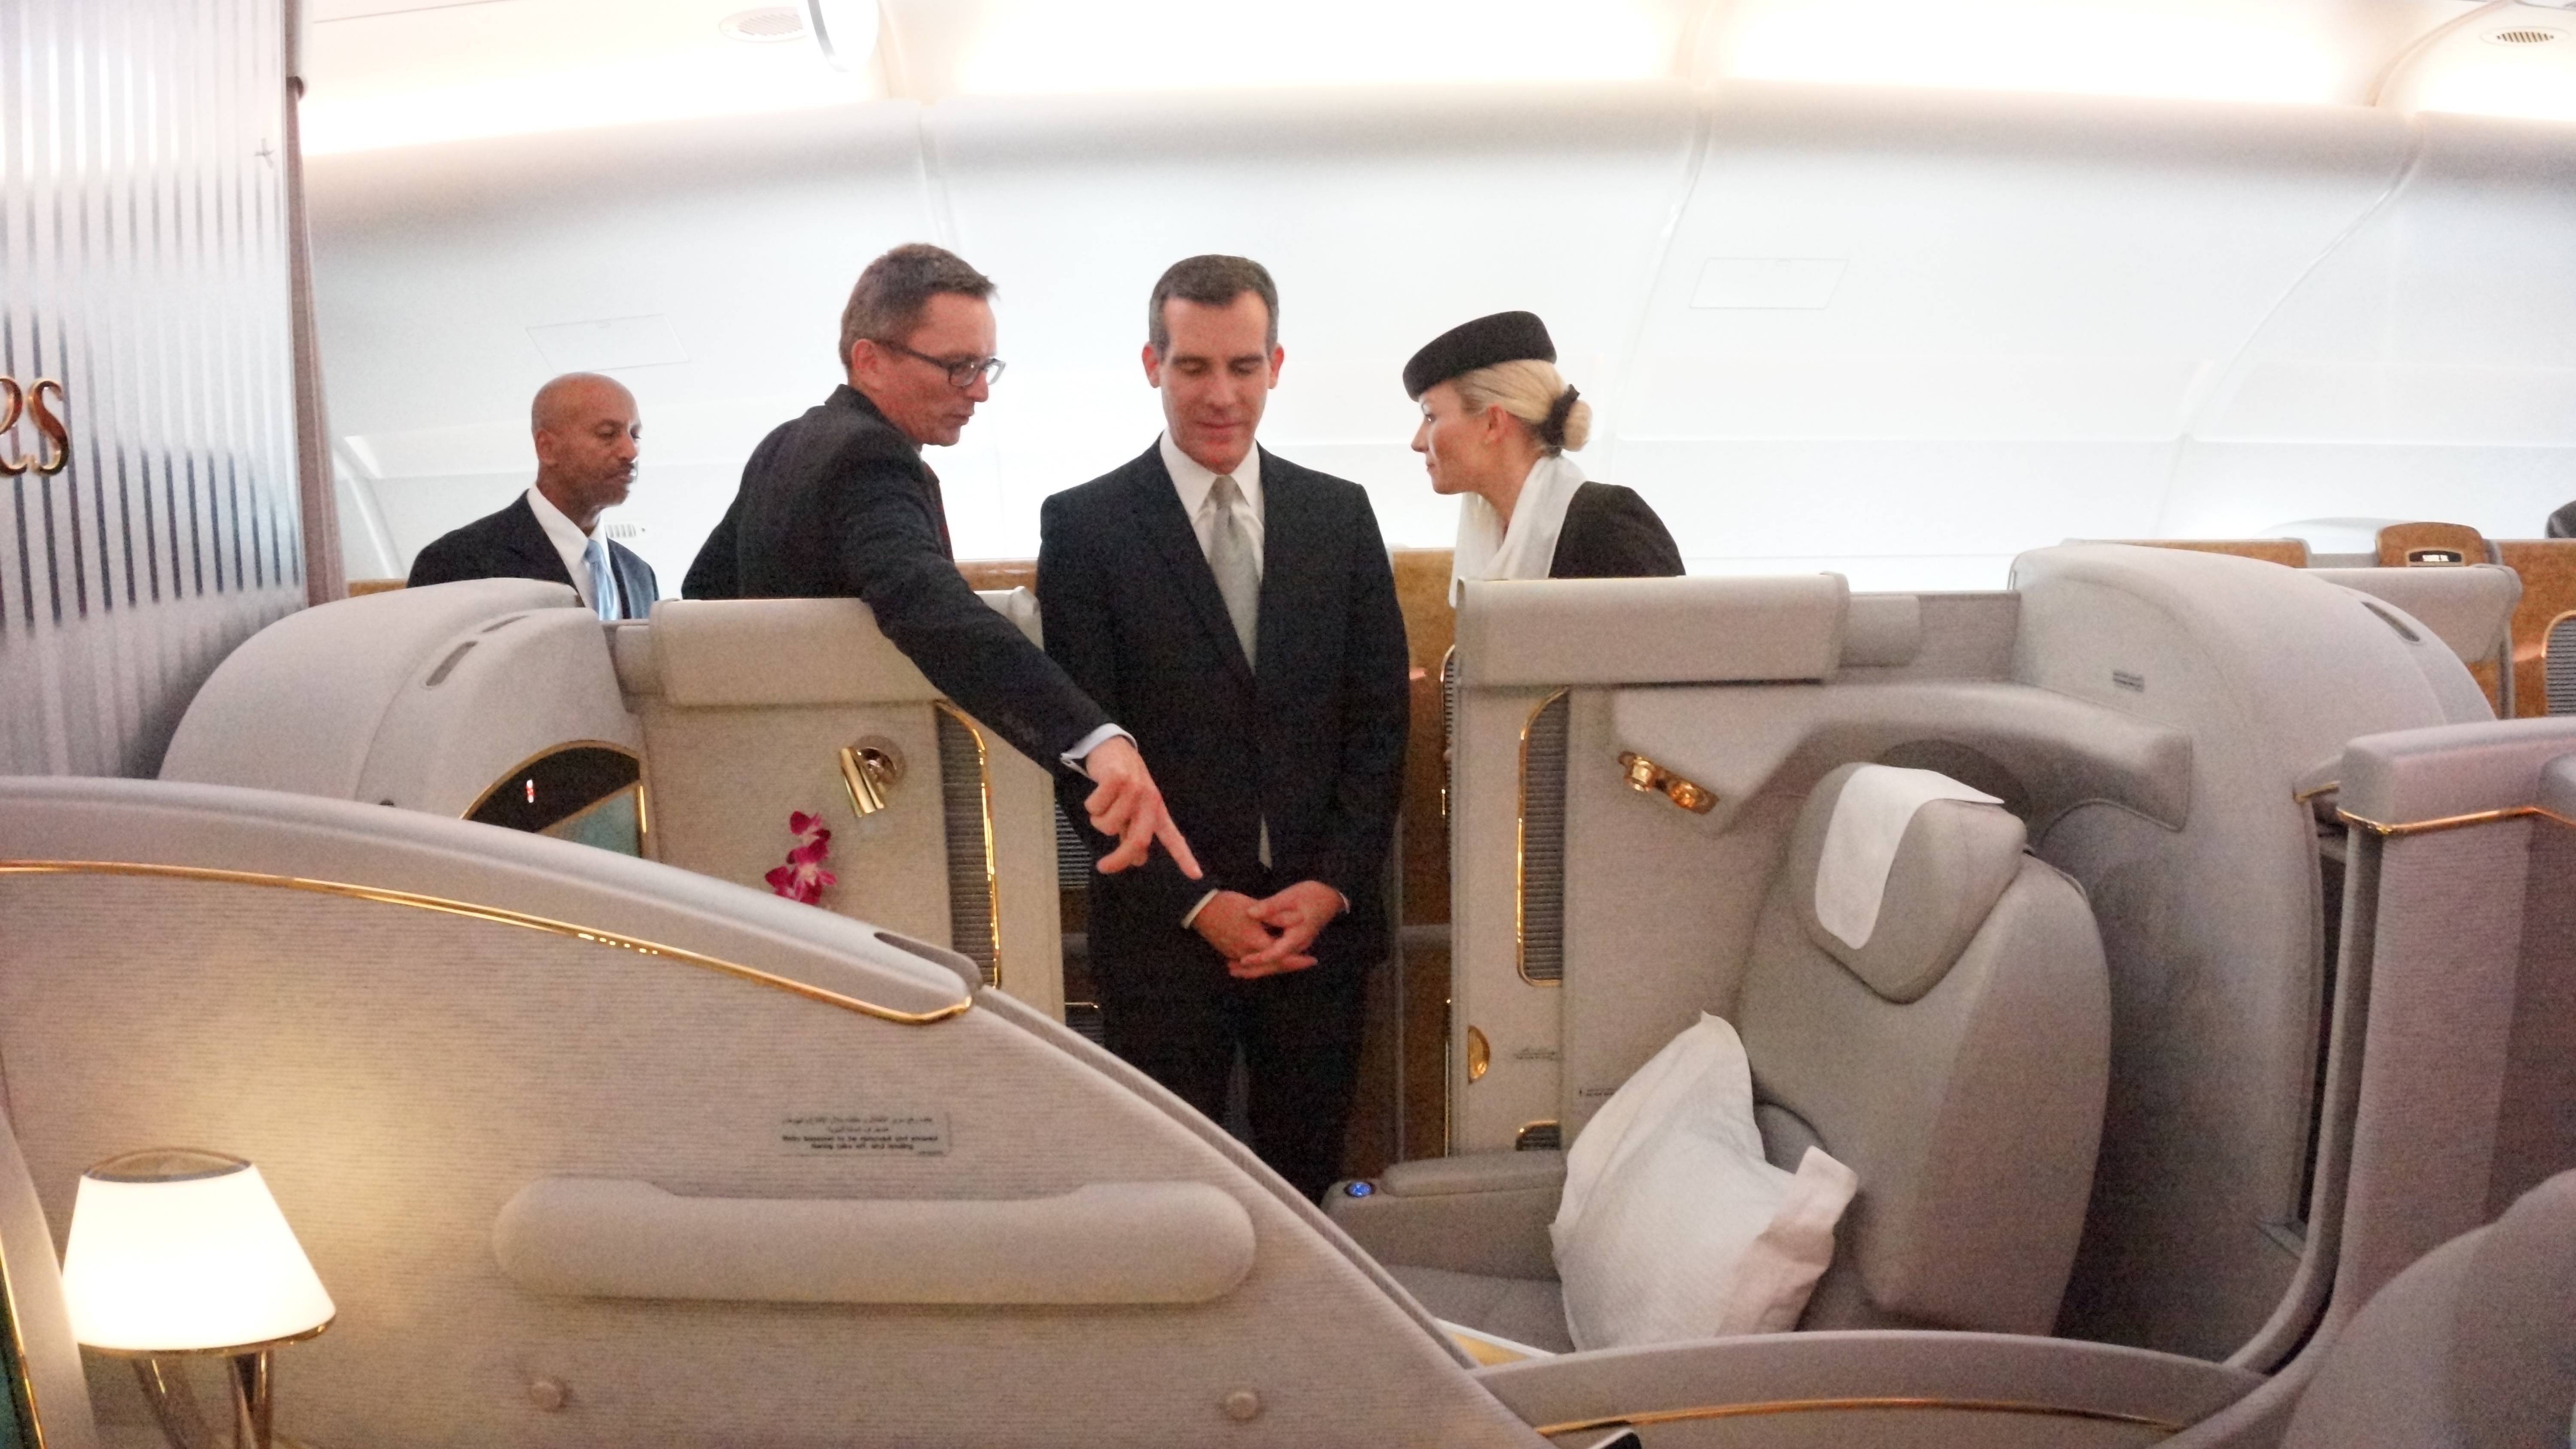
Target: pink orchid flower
803, 877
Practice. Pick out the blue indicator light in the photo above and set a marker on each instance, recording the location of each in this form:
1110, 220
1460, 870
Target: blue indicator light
1359, 1189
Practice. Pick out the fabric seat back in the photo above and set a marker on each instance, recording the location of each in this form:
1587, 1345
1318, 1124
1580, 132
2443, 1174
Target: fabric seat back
1955, 1058
2473, 1347
748, 708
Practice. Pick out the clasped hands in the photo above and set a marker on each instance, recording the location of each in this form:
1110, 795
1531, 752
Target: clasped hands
1268, 936
1257, 937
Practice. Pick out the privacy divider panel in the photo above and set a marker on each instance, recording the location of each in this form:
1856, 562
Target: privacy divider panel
143, 275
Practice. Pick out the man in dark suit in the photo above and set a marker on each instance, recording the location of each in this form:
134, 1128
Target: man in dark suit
838, 503
585, 430
1237, 611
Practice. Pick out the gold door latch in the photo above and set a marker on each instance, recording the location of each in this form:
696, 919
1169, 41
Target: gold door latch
869, 770
1480, 1055
1648, 778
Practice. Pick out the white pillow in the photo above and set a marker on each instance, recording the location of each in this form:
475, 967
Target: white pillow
1672, 1225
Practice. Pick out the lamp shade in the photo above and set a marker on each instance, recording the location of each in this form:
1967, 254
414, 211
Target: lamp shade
176, 1251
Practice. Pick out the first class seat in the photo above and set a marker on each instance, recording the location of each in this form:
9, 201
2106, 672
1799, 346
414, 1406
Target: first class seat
1631, 759
1955, 1061
591, 1150
692, 738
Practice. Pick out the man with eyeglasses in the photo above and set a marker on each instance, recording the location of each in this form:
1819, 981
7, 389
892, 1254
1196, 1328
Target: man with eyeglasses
838, 503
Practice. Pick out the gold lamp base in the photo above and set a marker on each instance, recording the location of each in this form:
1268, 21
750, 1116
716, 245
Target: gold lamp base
174, 1403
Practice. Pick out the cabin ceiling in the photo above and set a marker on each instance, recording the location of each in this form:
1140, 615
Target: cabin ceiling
1902, 332
390, 72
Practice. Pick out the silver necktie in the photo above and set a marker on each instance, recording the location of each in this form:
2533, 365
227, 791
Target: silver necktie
603, 580
1236, 566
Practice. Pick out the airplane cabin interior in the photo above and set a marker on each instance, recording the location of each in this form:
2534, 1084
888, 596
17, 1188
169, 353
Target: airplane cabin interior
2036, 906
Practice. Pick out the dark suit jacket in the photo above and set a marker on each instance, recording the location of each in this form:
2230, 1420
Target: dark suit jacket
1314, 740
1610, 533
838, 504
511, 544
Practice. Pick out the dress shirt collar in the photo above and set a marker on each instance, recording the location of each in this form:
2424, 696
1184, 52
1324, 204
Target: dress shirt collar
569, 541
1193, 482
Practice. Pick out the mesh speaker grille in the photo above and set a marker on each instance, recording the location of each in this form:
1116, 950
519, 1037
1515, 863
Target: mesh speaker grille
970, 888
1539, 1137
2558, 665
1543, 844
1072, 857
1448, 726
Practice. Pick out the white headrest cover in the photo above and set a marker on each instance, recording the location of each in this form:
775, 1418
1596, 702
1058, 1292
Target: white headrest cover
1893, 870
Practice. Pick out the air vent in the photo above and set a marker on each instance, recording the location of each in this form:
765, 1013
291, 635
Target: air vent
766, 25
622, 532
2527, 35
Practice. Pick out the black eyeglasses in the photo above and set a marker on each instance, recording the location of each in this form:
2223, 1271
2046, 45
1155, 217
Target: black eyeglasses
961, 373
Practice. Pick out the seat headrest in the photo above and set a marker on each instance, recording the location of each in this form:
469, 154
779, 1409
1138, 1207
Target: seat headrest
1893, 870
2513, 1374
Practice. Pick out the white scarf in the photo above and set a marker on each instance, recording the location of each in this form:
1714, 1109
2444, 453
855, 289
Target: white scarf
1487, 550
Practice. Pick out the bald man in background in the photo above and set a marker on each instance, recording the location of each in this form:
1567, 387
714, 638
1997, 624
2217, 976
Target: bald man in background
585, 430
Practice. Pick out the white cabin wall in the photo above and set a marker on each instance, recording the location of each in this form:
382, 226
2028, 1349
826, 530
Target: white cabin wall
2425, 368
743, 235
2033, 295
2055, 316
1383, 224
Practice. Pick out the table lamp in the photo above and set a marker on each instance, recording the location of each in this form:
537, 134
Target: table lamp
178, 1252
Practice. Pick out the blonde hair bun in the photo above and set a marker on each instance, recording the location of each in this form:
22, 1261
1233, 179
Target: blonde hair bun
1536, 394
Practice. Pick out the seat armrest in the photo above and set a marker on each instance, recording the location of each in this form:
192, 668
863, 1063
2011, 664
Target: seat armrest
1485, 1213
1475, 1172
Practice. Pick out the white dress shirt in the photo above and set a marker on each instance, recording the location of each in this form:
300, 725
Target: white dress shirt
569, 541
1192, 482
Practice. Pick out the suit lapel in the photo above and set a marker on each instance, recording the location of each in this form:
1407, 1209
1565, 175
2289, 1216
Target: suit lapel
1291, 533
528, 539
1157, 506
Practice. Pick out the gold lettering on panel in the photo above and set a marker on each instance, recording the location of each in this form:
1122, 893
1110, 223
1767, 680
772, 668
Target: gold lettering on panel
53, 426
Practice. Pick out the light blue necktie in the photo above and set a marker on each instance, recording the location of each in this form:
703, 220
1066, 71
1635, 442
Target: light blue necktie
603, 580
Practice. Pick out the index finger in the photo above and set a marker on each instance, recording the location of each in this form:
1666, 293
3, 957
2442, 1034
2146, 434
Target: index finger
1170, 834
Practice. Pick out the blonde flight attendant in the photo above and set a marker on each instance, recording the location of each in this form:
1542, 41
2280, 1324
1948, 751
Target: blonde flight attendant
1497, 422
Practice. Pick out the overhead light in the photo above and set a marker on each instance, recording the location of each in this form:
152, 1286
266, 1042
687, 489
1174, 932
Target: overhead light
1043, 46
767, 25
716, 80
2204, 49
846, 29
2506, 59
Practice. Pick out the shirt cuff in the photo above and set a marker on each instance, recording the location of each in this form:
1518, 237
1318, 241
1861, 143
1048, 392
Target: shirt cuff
1191, 919
1074, 757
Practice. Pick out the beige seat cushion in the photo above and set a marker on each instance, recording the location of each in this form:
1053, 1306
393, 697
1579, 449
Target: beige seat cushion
1524, 1310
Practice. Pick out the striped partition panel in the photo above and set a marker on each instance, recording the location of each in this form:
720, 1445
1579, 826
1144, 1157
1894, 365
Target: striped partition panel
144, 297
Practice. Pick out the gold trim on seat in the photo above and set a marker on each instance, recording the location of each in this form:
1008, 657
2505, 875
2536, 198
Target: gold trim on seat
2387, 830
992, 864
1648, 1417
495, 914
1520, 851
